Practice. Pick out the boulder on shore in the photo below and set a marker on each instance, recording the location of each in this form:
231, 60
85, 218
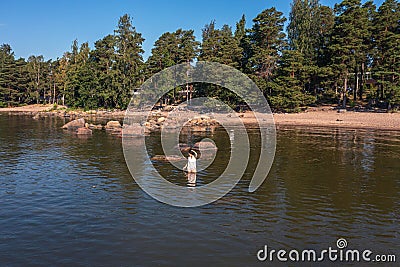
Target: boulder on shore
95, 127
161, 119
202, 121
113, 125
132, 130
207, 149
170, 124
83, 131
205, 145
74, 125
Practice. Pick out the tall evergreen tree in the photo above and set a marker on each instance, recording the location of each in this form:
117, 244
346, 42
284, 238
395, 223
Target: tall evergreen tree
289, 92
267, 42
7, 66
243, 39
21, 82
348, 44
386, 64
103, 57
240, 31
309, 28
222, 46
60, 75
171, 49
304, 28
324, 87
72, 81
129, 61
35, 67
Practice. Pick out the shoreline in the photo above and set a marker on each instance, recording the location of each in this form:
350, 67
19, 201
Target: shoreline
314, 117
334, 119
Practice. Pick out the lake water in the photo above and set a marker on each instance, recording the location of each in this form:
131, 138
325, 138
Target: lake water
71, 201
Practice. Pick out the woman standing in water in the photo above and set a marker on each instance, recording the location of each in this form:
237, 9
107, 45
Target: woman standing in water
191, 163
191, 168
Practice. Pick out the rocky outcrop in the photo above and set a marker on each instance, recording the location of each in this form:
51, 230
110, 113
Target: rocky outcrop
160, 120
114, 128
95, 127
74, 125
170, 124
113, 125
205, 145
202, 121
198, 124
132, 130
83, 131
202, 124
151, 126
155, 123
158, 123
207, 149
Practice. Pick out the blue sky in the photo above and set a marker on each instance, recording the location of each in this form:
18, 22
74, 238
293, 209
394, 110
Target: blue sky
44, 27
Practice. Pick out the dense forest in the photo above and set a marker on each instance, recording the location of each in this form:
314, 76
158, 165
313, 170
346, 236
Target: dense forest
347, 55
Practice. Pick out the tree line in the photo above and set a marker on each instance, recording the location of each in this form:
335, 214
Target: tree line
348, 54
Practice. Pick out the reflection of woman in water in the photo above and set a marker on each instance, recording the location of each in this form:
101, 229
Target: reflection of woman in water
191, 168
191, 179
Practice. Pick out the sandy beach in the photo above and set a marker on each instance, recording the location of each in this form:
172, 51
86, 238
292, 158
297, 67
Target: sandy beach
314, 117
349, 119
28, 108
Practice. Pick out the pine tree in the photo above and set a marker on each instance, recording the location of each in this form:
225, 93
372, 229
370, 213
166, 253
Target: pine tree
21, 81
304, 28
268, 40
7, 72
82, 83
129, 61
288, 86
60, 75
265, 43
386, 64
171, 49
243, 39
222, 46
240, 31
324, 81
349, 44
35, 69
310, 25
103, 57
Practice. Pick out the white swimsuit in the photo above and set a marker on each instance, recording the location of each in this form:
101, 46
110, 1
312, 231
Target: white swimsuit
191, 164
